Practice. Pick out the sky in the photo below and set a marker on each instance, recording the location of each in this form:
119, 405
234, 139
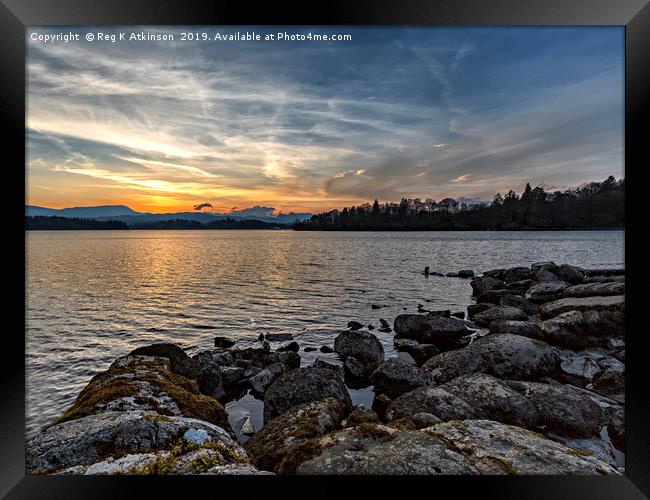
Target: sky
308, 126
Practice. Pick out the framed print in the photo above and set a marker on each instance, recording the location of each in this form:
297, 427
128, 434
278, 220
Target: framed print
354, 246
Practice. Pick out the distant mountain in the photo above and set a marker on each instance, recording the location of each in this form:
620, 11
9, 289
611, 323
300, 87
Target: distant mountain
128, 216
82, 212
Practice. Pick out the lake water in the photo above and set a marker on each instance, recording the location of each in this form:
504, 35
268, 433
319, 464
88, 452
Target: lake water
95, 295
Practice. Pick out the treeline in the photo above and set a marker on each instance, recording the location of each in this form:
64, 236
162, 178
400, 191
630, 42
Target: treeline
41, 222
597, 205
215, 224
61, 223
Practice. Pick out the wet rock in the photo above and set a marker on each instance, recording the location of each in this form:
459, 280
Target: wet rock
310, 349
494, 296
485, 283
432, 400
577, 368
422, 420
180, 362
360, 414
354, 367
376, 306
517, 274
266, 377
452, 275
578, 329
614, 303
406, 357
570, 274
499, 313
466, 273
604, 279
445, 333
594, 289
520, 303
445, 313
493, 399
458, 314
419, 352
380, 404
304, 385
395, 377
611, 381
326, 349
266, 346
210, 382
273, 447
495, 448
604, 272
495, 273
371, 449
616, 431
385, 327
545, 292
474, 309
544, 275
503, 355
261, 358
528, 329
291, 346
362, 345
223, 342
94, 438
560, 409
520, 286
354, 325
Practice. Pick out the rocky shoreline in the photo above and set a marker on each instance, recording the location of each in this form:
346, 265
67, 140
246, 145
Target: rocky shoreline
532, 382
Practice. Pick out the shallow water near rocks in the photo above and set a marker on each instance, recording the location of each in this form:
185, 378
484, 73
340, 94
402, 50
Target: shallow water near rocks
93, 296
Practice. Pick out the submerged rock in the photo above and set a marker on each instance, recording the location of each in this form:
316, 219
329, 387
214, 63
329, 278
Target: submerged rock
304, 385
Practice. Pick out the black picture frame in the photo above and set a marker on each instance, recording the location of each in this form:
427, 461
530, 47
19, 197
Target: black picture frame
15, 15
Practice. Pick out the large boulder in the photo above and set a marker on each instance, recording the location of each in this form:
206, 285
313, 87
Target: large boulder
304, 385
444, 333
432, 400
561, 409
395, 377
371, 449
419, 352
494, 296
493, 399
578, 329
570, 274
495, 448
499, 313
545, 292
95, 438
594, 289
362, 345
485, 283
614, 303
274, 444
503, 355
266, 377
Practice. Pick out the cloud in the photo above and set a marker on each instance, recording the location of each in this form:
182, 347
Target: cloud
201, 206
461, 178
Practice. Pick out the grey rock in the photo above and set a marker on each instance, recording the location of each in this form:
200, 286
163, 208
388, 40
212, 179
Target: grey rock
594, 289
493, 399
495, 273
271, 337
614, 303
271, 448
503, 355
354, 325
578, 329
528, 329
432, 400
361, 414
354, 367
224, 342
362, 345
519, 302
444, 333
520, 286
180, 362
380, 404
485, 283
326, 349
304, 385
474, 309
395, 377
291, 346
495, 448
499, 313
545, 292
517, 274
494, 296
570, 274
384, 451
466, 273
261, 381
